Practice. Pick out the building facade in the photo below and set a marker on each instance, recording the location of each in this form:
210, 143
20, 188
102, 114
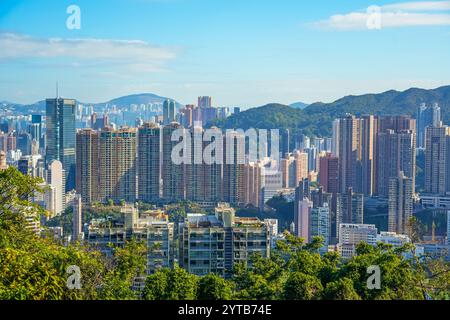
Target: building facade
60, 136
148, 162
118, 165
87, 165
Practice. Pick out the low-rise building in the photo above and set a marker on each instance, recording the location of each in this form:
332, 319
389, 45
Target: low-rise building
350, 235
153, 227
216, 243
392, 238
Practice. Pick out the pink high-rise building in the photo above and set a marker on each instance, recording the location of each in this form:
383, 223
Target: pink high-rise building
302, 217
329, 173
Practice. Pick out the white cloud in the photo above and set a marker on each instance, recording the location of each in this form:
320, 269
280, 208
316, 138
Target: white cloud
139, 55
407, 14
419, 6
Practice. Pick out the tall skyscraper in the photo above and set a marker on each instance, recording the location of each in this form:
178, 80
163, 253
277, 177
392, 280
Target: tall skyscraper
187, 116
369, 130
24, 142
173, 174
4, 126
253, 184
436, 159
348, 129
205, 102
329, 173
286, 141
213, 169
349, 208
301, 167
285, 166
169, 111
302, 219
320, 198
55, 195
11, 141
400, 204
195, 173
302, 142
271, 181
3, 142
99, 123
303, 189
397, 123
25, 165
427, 116
320, 225
87, 165
372, 149
395, 153
149, 165
204, 176
35, 129
312, 159
77, 222
233, 167
118, 164
302, 193
60, 136
208, 114
335, 138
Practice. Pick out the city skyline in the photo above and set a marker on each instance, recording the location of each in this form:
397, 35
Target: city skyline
248, 55
340, 195
224, 150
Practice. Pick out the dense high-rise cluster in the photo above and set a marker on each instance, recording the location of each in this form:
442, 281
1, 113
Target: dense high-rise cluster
369, 163
136, 164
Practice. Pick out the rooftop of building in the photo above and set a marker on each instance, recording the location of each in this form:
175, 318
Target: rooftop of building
196, 220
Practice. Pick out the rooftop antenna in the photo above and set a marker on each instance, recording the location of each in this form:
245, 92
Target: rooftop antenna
57, 90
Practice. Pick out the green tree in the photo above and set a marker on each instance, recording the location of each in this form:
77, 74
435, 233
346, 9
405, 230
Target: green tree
261, 279
176, 284
182, 285
341, 289
213, 287
15, 207
301, 286
156, 286
127, 266
400, 279
437, 284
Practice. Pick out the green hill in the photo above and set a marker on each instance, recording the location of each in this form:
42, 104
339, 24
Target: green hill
316, 118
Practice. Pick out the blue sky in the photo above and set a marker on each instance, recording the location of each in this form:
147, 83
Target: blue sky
241, 52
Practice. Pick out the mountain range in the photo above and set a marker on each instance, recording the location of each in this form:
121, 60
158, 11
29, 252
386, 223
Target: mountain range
316, 119
299, 105
143, 98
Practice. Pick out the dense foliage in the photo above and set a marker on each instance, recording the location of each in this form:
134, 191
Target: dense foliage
35, 268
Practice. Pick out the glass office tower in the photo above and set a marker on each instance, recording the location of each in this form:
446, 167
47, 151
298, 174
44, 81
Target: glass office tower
61, 136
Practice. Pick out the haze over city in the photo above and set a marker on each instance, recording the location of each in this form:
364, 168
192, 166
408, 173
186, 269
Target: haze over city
244, 53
